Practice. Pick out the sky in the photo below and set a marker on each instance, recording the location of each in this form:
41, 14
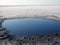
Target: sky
29, 2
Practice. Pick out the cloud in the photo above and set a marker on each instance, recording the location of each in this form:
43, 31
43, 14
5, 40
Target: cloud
50, 12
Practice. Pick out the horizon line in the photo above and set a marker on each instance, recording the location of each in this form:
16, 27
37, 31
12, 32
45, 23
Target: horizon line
26, 5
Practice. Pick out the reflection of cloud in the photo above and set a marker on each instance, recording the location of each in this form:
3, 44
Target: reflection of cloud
50, 12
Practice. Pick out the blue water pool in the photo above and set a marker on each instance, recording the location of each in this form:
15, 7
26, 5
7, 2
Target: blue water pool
31, 26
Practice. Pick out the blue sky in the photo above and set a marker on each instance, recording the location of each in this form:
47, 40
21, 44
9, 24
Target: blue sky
29, 2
